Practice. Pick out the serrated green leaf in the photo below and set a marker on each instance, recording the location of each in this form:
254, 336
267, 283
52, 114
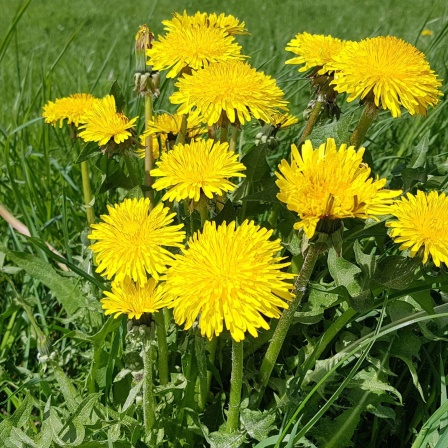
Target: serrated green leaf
19, 439
114, 176
17, 420
313, 310
117, 93
90, 149
412, 176
351, 277
227, 214
267, 193
381, 411
135, 193
414, 374
420, 151
367, 262
64, 289
368, 380
221, 439
344, 273
257, 424
339, 130
396, 272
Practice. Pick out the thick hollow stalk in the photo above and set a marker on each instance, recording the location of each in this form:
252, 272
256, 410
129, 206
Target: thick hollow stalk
87, 192
312, 120
149, 156
201, 360
234, 139
148, 395
287, 317
224, 132
236, 383
369, 114
162, 347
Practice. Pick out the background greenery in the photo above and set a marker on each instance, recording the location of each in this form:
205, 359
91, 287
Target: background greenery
58, 48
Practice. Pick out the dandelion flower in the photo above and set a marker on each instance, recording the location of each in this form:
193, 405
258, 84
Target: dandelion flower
314, 51
228, 23
192, 46
281, 121
103, 123
326, 183
422, 225
72, 108
201, 166
129, 298
229, 274
233, 87
132, 239
166, 127
394, 72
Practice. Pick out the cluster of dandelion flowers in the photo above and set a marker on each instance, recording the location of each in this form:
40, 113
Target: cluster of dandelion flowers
201, 166
422, 225
233, 88
72, 108
314, 51
103, 123
390, 70
327, 183
131, 240
228, 23
193, 46
133, 299
166, 127
229, 275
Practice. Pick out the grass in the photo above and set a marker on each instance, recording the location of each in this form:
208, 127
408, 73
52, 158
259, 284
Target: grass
55, 49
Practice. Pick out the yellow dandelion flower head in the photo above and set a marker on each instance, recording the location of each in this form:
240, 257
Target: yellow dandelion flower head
314, 50
133, 299
201, 166
103, 123
72, 108
166, 127
281, 121
422, 225
229, 274
393, 71
192, 46
327, 183
229, 23
131, 240
233, 87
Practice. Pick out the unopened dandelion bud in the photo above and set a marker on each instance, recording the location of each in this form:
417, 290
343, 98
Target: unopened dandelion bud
143, 42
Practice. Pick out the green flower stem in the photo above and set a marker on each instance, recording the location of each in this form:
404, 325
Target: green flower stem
149, 158
162, 348
202, 208
182, 137
369, 113
285, 320
87, 192
131, 171
236, 384
312, 120
211, 348
224, 132
234, 139
199, 350
148, 395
